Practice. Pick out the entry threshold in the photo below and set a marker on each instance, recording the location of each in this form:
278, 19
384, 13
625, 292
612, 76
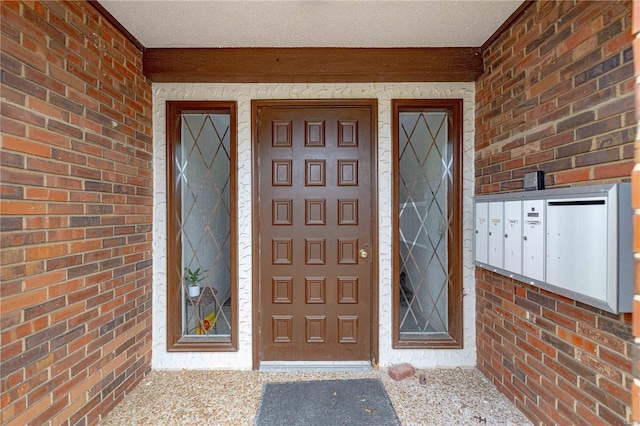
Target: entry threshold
315, 366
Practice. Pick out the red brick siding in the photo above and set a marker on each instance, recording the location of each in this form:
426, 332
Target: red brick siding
557, 95
76, 214
635, 201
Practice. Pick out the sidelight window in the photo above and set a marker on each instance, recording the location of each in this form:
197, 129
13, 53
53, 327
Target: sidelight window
427, 287
201, 273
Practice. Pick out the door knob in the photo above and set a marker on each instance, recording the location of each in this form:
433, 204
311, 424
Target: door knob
364, 254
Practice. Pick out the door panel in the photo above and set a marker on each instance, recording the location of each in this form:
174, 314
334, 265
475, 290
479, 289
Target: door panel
315, 217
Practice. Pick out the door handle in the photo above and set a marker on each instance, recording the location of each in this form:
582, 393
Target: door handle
364, 254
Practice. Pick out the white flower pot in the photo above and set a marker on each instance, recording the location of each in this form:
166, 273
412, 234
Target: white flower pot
194, 290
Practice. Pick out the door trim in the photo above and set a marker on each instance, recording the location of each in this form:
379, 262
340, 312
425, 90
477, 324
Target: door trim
256, 105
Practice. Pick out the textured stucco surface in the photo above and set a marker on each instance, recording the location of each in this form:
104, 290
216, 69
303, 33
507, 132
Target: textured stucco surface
243, 94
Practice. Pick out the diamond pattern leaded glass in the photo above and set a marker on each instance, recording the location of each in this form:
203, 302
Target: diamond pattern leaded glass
425, 176
205, 223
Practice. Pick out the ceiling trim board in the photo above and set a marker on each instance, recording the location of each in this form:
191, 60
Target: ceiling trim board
506, 24
307, 65
113, 21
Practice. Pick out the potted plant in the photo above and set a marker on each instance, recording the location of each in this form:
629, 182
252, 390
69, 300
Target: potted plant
193, 279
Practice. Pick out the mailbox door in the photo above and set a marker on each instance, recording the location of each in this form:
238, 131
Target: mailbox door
513, 236
577, 245
496, 232
533, 260
482, 232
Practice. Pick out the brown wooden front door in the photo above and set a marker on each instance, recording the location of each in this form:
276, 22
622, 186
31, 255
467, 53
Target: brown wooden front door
316, 209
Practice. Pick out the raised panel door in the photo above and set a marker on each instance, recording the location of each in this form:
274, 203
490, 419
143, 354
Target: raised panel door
315, 191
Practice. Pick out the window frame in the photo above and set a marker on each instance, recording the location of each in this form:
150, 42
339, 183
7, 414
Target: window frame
454, 340
176, 342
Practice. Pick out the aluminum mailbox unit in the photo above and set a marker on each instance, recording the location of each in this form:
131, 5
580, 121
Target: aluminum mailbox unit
576, 242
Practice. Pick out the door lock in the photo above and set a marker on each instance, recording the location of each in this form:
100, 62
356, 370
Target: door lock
364, 254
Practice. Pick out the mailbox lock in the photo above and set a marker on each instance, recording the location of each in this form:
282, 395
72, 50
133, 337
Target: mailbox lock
525, 238
506, 235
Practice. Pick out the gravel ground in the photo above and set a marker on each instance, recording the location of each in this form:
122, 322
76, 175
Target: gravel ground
456, 396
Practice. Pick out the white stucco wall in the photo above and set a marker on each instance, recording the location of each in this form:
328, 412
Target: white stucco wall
243, 94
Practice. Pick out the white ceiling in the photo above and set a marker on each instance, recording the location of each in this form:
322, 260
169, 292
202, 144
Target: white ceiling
305, 23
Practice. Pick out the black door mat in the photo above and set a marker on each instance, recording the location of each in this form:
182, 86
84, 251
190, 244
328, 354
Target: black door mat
357, 402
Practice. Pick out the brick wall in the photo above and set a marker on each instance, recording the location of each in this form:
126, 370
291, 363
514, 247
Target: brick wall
76, 214
557, 95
